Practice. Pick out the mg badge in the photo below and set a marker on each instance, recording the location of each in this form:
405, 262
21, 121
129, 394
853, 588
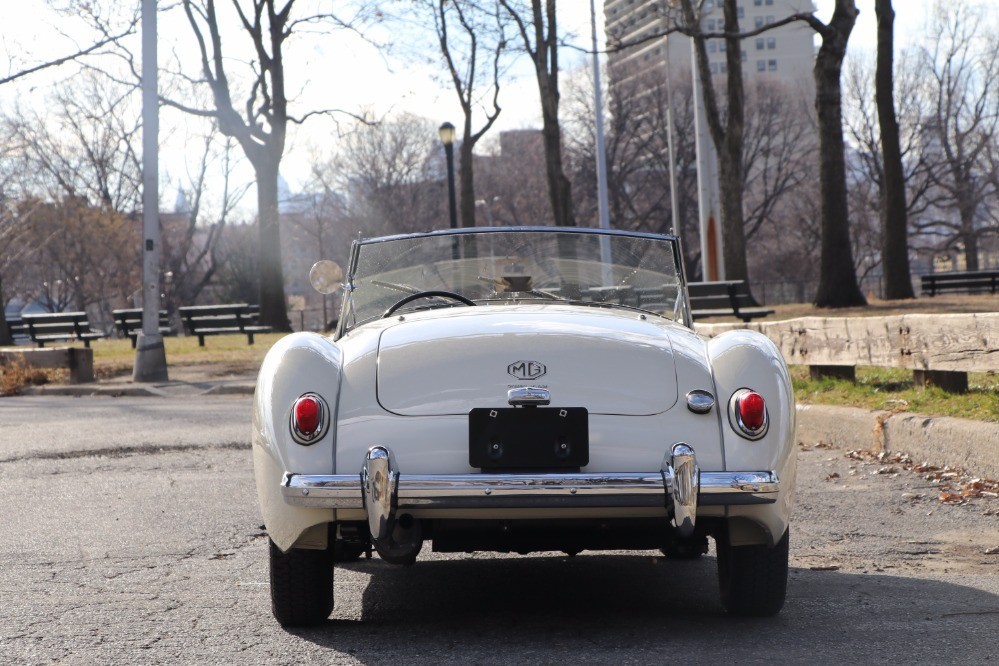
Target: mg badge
526, 370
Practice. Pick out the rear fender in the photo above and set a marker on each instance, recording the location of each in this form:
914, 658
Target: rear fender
747, 359
298, 363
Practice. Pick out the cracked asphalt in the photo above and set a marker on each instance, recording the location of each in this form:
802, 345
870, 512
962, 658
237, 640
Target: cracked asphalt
131, 534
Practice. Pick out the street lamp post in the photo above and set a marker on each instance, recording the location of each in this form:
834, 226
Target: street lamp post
447, 134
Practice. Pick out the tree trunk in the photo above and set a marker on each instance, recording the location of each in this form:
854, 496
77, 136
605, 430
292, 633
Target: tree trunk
559, 188
969, 237
837, 278
730, 155
6, 339
466, 212
273, 307
894, 217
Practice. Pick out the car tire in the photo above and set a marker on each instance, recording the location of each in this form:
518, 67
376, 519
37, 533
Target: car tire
752, 579
301, 585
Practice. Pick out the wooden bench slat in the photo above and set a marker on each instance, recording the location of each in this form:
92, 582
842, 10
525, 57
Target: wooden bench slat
56, 326
202, 320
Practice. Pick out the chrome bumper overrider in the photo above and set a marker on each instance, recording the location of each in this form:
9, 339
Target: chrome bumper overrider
382, 491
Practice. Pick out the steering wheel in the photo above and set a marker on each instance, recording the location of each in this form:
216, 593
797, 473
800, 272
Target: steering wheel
427, 294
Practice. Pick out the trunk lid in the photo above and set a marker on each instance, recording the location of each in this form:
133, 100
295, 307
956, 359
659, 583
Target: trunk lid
606, 361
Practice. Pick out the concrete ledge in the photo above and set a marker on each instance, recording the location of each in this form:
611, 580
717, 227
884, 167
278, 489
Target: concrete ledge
79, 361
938, 440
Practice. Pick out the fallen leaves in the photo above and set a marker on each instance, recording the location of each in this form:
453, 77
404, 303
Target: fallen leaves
954, 486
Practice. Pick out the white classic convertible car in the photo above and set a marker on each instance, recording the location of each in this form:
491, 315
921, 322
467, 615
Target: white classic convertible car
519, 390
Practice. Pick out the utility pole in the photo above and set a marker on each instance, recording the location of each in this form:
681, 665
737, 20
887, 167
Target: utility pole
150, 355
708, 198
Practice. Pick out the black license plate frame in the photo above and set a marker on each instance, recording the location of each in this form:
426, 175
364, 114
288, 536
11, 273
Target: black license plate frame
528, 437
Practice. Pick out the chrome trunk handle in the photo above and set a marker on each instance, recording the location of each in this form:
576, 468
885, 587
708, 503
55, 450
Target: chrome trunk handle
526, 396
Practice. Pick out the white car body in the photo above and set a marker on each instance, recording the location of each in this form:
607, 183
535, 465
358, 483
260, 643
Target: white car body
391, 464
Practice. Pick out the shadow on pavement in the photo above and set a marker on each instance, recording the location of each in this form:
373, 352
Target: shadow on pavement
645, 609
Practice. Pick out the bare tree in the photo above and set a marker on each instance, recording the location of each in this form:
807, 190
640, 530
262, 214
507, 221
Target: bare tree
637, 156
726, 135
472, 37
837, 279
261, 129
191, 236
85, 144
962, 63
537, 25
894, 218
777, 152
385, 171
107, 38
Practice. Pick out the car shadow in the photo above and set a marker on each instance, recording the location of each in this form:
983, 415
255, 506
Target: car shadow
603, 608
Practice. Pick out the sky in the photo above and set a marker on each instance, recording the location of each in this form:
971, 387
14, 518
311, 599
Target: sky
349, 73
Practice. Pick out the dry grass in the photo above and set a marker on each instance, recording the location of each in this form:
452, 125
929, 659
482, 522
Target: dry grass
222, 354
15, 376
949, 304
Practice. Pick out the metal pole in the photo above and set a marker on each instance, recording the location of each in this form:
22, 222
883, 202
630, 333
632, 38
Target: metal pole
150, 355
602, 204
712, 266
674, 200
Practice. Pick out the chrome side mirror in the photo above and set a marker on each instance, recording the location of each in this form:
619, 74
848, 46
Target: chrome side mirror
326, 276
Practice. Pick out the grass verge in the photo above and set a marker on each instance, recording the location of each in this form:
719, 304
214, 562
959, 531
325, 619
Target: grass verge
229, 353
894, 389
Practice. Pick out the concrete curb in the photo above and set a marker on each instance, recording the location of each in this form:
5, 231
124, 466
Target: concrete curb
937, 440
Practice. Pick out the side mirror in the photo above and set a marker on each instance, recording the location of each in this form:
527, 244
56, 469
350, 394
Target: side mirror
326, 276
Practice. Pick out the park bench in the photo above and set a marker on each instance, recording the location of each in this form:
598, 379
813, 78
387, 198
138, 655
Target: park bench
18, 329
961, 281
59, 326
729, 298
129, 323
202, 320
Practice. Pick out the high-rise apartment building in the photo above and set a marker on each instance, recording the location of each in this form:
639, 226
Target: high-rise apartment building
785, 54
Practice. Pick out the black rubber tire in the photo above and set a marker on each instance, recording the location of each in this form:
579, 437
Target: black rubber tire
301, 585
752, 579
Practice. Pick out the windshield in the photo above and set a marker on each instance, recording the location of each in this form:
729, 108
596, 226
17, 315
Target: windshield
494, 266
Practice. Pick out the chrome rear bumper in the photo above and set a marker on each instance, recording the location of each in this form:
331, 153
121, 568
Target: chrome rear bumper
383, 492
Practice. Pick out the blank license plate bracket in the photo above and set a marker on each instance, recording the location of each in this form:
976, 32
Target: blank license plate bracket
528, 437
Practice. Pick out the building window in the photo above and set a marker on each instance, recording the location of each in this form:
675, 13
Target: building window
757, 3
709, 4
714, 68
740, 12
770, 3
712, 47
770, 19
711, 25
743, 56
759, 22
723, 68
759, 43
772, 65
771, 43
761, 66
722, 46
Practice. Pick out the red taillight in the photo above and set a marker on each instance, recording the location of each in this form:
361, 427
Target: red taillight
748, 414
752, 410
308, 419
